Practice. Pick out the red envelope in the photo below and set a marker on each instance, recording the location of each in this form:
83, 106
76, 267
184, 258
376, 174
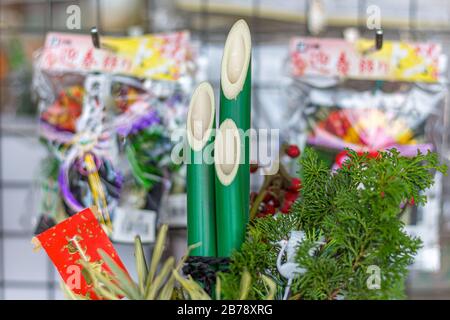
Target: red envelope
63, 242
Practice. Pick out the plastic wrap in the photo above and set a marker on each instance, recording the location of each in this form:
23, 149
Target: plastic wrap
117, 106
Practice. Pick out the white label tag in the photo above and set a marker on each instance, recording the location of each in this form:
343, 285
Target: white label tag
174, 211
130, 222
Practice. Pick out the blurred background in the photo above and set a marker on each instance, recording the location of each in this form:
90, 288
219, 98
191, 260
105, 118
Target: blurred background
23, 28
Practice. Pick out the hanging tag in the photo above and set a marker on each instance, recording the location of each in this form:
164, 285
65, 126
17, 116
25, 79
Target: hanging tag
156, 56
130, 222
364, 60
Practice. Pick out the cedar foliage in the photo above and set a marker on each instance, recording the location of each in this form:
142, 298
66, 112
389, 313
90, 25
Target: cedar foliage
354, 213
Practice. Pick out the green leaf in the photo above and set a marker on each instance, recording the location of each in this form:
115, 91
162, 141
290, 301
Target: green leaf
272, 287
123, 279
157, 254
218, 288
159, 280
141, 264
194, 290
245, 285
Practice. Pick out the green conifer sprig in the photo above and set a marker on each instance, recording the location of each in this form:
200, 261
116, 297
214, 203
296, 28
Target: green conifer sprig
353, 214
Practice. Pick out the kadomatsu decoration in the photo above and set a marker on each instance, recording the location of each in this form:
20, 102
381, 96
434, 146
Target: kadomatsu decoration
345, 224
321, 250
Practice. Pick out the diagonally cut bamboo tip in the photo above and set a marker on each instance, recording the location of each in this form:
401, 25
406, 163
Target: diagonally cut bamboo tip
200, 117
227, 152
236, 59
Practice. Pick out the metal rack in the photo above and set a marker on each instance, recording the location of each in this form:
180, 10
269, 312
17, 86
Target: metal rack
263, 31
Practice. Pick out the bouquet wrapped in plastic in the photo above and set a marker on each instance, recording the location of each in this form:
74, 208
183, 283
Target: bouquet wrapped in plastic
106, 115
348, 95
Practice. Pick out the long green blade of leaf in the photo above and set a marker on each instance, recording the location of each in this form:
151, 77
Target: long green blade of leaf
245, 285
159, 280
272, 287
100, 281
194, 290
69, 294
157, 253
167, 290
106, 294
141, 264
123, 279
218, 288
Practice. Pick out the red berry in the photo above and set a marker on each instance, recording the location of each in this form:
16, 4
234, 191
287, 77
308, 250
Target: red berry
382, 194
268, 197
296, 184
341, 157
412, 201
370, 154
293, 151
270, 209
373, 154
286, 206
253, 167
290, 196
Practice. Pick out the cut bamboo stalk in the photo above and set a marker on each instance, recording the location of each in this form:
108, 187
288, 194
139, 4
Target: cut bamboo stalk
200, 173
235, 100
230, 209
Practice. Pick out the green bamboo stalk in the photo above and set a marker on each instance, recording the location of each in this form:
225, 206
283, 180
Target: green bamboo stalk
235, 104
200, 173
230, 209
